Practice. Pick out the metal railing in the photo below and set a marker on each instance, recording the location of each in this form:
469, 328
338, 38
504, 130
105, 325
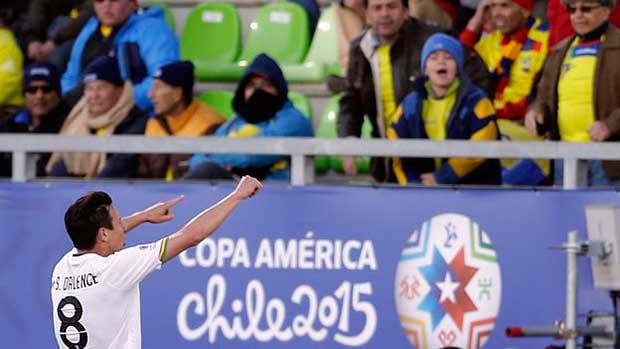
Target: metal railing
302, 150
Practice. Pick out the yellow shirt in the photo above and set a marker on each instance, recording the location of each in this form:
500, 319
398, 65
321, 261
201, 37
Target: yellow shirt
436, 111
387, 84
575, 91
435, 114
11, 70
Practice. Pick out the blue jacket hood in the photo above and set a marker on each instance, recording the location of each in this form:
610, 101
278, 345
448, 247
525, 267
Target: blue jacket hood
262, 65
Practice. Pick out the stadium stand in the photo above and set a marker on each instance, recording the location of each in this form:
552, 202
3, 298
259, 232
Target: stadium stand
279, 30
322, 58
218, 100
301, 102
219, 25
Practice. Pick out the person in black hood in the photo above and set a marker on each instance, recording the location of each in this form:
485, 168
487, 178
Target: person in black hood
44, 112
262, 109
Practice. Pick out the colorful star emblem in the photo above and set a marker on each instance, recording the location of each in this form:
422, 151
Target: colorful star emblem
448, 283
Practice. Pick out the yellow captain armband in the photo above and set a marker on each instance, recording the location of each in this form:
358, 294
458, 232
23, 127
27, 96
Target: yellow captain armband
163, 248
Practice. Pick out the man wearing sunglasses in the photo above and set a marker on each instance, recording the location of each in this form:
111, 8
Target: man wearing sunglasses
43, 111
139, 38
578, 99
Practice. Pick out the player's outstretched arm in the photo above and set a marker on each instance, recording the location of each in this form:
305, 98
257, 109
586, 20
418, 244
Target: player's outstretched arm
205, 223
158, 213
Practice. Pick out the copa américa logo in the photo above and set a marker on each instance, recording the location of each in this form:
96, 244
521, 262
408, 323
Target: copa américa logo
448, 284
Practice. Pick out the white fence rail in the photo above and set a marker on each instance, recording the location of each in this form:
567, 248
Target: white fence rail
302, 150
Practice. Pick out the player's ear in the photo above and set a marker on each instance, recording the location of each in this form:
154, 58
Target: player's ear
102, 234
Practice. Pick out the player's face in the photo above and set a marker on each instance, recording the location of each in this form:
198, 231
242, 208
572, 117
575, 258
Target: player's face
116, 235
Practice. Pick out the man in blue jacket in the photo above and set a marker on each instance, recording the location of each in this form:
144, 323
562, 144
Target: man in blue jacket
262, 110
139, 38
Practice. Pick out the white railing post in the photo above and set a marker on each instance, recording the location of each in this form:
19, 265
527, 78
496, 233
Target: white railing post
19, 166
575, 173
302, 169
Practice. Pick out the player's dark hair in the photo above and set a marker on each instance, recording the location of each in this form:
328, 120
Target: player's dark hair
84, 218
404, 2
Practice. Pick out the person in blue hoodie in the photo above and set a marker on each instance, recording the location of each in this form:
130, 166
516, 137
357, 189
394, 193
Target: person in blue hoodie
262, 109
138, 37
445, 104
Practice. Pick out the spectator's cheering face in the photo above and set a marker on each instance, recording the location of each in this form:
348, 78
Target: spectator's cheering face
441, 69
113, 12
585, 16
165, 97
507, 16
259, 83
385, 17
101, 96
41, 98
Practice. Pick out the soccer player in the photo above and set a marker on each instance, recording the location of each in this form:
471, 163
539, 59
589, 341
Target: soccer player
95, 286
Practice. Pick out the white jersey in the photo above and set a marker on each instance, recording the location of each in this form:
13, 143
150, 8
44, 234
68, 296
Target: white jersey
96, 300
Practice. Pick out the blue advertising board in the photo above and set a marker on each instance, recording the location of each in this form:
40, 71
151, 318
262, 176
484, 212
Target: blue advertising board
318, 266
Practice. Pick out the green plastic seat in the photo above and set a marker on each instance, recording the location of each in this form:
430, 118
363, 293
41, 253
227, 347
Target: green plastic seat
221, 101
167, 13
280, 30
322, 58
301, 102
211, 39
327, 129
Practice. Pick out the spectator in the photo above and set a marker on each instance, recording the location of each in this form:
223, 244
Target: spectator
140, 38
51, 27
350, 21
559, 21
384, 61
177, 114
107, 108
43, 111
577, 97
262, 110
515, 54
445, 105
11, 67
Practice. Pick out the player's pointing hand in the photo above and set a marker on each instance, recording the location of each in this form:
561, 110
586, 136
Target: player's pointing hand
162, 211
